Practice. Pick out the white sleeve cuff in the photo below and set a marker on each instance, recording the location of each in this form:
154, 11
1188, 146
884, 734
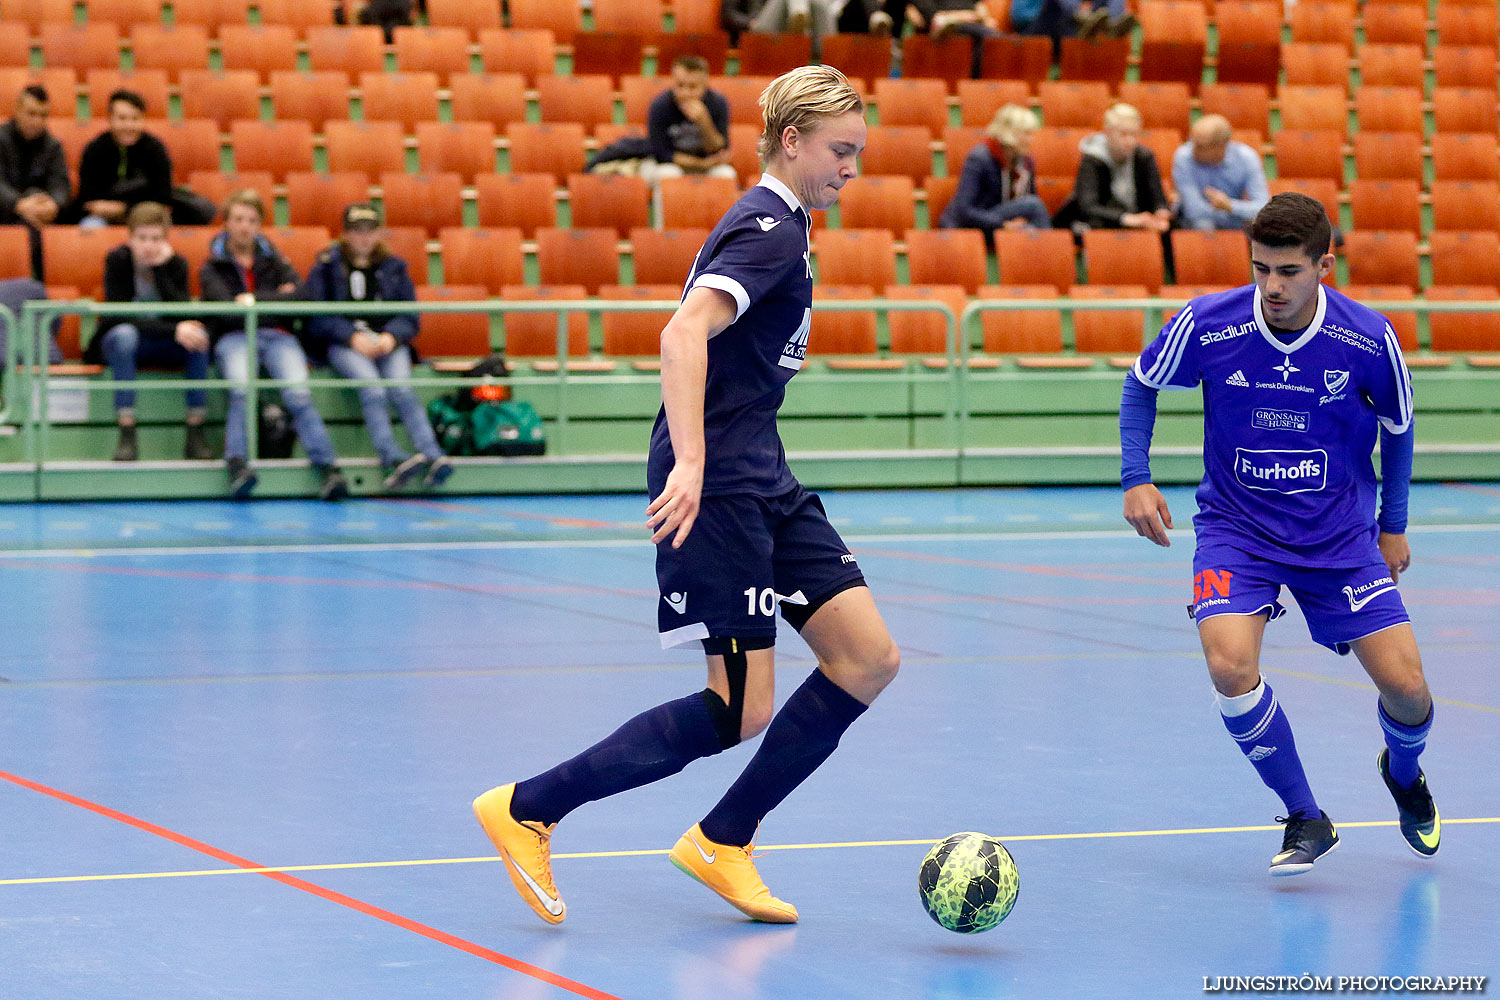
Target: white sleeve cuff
729, 286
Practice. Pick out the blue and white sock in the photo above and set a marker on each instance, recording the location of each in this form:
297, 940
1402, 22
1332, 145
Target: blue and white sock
1260, 727
1405, 743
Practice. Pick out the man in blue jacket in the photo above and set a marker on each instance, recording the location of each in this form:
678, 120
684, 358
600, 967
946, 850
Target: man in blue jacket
359, 268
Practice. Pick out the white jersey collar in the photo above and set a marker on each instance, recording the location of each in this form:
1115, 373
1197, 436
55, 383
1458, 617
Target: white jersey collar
1308, 334
779, 186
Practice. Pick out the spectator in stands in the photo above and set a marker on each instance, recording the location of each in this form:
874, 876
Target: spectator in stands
33, 170
688, 126
15, 292
997, 188
881, 18
146, 269
244, 267
388, 15
123, 166
1221, 183
957, 17
1118, 184
359, 268
1059, 19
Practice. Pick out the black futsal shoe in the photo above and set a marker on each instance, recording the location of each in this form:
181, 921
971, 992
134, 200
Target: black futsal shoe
1420, 823
1306, 840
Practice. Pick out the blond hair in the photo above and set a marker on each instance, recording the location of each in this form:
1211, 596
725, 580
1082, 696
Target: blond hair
803, 99
1009, 120
249, 198
1122, 115
148, 213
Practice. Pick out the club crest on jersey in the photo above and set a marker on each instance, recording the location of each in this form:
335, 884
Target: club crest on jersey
1334, 381
1276, 470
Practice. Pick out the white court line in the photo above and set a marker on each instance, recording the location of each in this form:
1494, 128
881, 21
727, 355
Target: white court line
93, 552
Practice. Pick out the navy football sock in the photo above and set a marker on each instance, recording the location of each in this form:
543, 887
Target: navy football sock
1265, 736
1405, 743
801, 737
653, 745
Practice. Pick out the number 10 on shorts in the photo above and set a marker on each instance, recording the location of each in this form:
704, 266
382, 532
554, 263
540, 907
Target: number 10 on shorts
760, 601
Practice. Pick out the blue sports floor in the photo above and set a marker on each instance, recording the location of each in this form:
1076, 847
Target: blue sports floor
190, 691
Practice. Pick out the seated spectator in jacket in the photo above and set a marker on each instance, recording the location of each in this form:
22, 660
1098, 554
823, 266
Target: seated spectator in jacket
33, 170
123, 166
997, 189
1118, 184
146, 269
15, 292
359, 268
1221, 183
388, 15
1059, 19
244, 267
816, 18
942, 18
688, 126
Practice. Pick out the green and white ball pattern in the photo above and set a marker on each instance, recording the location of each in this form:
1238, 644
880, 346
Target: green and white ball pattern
968, 882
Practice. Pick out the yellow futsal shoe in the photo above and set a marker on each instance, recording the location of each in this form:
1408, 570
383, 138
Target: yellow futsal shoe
730, 872
526, 849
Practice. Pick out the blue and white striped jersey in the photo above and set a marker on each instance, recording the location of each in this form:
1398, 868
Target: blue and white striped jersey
758, 254
1288, 428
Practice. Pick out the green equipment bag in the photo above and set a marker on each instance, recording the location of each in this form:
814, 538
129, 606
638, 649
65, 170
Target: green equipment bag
484, 420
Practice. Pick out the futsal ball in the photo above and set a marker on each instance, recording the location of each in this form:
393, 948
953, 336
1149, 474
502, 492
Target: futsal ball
968, 882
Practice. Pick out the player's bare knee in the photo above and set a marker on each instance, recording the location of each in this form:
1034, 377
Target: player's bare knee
1233, 672
887, 664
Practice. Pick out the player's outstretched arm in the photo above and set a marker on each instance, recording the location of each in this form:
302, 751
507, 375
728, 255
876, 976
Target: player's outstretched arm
684, 373
1146, 510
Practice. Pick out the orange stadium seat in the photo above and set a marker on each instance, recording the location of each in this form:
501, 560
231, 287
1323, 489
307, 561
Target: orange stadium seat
1163, 144
1395, 24
124, 11
1310, 154
1467, 257
192, 243
864, 59
898, 149
636, 94
453, 335
1246, 105
1211, 258
192, 142
1073, 104
1403, 323
174, 48
856, 257
212, 13
81, 47
1391, 66
1476, 331
76, 256
522, 200
35, 13
462, 147
876, 202
526, 51
695, 201
947, 256
1465, 157
1381, 257
1056, 150
842, 331
348, 50
711, 45
280, 147
1386, 203
665, 256
1101, 60
1124, 257
217, 186
1308, 109
1468, 24
588, 100
320, 199
221, 95
1389, 109
490, 258
407, 98
742, 151
923, 332
264, 48
742, 93
15, 250
947, 59
912, 102
1162, 105
1464, 109
609, 200
1021, 331
578, 256
958, 142
1173, 40
1387, 155
15, 48
1317, 21
73, 135
1249, 41
635, 333
695, 16
772, 55
432, 201
300, 245
978, 100
1315, 64
151, 84
410, 244
305, 17
629, 17
1036, 257
1007, 57
1464, 66
535, 334
1319, 189
597, 53
1113, 331
463, 14
314, 98
444, 51
370, 147
68, 330
498, 98
563, 20
1465, 205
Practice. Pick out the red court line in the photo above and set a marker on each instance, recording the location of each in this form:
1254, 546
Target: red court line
394, 919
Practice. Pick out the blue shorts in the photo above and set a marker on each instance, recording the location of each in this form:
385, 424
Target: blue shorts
1340, 605
745, 557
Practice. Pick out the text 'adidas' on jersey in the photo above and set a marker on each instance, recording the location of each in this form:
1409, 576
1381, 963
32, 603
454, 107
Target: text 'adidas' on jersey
1288, 428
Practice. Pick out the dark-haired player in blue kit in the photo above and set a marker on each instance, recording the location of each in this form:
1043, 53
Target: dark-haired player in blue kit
1296, 380
736, 535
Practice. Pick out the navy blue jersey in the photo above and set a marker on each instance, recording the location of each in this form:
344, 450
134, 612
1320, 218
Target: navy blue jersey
1287, 428
758, 254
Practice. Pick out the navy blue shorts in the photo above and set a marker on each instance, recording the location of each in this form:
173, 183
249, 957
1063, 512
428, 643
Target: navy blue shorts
1341, 604
746, 557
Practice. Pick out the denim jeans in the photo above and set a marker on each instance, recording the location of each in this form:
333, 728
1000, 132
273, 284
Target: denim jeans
281, 356
1029, 207
124, 348
376, 401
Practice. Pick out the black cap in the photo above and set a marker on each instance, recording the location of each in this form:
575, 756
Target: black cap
361, 215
